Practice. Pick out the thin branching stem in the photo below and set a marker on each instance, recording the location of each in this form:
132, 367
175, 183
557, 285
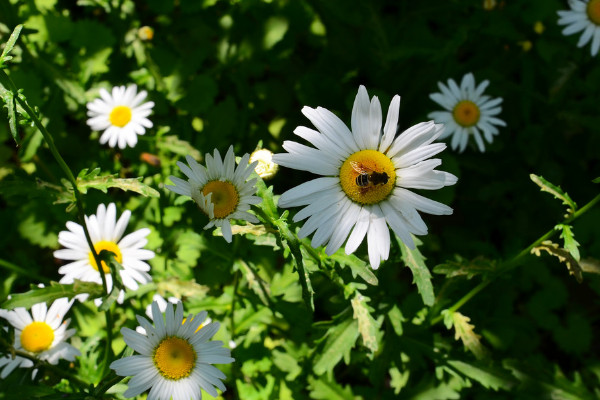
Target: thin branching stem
515, 261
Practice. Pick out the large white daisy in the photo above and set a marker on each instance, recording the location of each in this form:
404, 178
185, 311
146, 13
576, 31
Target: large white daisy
106, 234
584, 15
221, 190
468, 112
174, 356
121, 115
43, 334
367, 175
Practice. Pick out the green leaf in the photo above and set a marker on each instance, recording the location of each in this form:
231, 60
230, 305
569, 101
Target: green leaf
396, 319
398, 379
421, 275
465, 332
323, 388
563, 256
10, 44
597, 180
467, 268
357, 266
569, 237
340, 340
92, 180
366, 324
556, 191
50, 293
488, 377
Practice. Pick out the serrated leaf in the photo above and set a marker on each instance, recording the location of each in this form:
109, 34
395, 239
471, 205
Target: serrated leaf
357, 266
92, 180
173, 144
323, 388
467, 268
340, 340
50, 293
488, 377
396, 319
366, 323
10, 44
421, 275
11, 106
398, 379
556, 191
563, 255
466, 333
569, 239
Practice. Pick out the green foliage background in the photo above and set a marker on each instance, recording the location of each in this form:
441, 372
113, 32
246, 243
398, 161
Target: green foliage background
239, 72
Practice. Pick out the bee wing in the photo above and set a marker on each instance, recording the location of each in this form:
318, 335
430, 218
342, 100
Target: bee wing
358, 167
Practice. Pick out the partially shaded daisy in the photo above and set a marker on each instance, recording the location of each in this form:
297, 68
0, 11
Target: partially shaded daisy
584, 15
174, 357
162, 306
221, 190
468, 112
121, 115
42, 334
106, 234
366, 178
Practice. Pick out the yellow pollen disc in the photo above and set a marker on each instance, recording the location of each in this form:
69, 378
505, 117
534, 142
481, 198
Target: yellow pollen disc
37, 337
224, 196
369, 161
466, 113
175, 358
593, 11
105, 245
197, 329
120, 116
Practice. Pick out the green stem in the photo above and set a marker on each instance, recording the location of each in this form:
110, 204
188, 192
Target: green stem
514, 262
109, 381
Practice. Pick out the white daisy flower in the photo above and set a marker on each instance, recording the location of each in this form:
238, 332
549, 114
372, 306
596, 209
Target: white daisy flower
584, 15
106, 234
121, 115
42, 333
162, 306
221, 190
174, 357
468, 112
366, 178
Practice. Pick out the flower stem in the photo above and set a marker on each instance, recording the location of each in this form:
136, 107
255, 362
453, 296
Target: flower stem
515, 261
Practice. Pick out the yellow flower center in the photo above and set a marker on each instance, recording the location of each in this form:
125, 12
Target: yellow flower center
37, 337
175, 358
368, 176
197, 329
105, 245
120, 116
224, 196
466, 113
593, 11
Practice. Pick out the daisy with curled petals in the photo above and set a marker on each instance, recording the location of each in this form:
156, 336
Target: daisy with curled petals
121, 115
107, 234
367, 177
174, 356
584, 15
221, 190
468, 112
43, 334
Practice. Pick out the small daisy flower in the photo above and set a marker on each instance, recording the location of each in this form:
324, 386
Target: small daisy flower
366, 177
174, 357
121, 115
106, 234
468, 112
43, 334
221, 190
584, 15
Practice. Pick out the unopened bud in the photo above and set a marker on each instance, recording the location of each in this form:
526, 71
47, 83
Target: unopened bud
266, 168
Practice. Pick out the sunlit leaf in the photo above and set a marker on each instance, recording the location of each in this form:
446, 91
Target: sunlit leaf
555, 191
367, 326
489, 377
341, 338
569, 237
324, 389
465, 332
50, 293
10, 44
564, 256
421, 275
